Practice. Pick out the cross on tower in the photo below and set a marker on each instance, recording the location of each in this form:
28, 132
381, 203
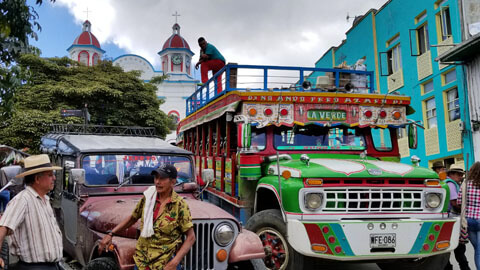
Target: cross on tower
176, 16
86, 11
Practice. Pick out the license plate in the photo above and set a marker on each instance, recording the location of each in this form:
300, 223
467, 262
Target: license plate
383, 240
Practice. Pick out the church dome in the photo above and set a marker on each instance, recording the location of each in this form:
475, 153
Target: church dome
175, 40
86, 37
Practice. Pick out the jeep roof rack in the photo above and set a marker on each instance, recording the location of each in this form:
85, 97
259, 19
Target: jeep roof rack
79, 129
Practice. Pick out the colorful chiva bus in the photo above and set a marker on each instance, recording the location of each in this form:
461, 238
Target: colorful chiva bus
312, 165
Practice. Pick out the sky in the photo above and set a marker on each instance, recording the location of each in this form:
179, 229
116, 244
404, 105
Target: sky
256, 32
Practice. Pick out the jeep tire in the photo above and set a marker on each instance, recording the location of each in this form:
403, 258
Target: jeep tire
102, 263
270, 227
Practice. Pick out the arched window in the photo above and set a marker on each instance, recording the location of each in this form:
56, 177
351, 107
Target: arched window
83, 57
96, 58
175, 116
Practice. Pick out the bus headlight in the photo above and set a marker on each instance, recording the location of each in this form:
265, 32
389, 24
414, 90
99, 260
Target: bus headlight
224, 234
313, 201
433, 200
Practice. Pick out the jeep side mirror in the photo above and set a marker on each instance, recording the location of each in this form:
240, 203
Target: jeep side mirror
78, 176
207, 176
11, 171
412, 136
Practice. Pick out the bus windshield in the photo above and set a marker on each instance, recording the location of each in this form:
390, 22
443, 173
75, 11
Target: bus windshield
313, 137
111, 169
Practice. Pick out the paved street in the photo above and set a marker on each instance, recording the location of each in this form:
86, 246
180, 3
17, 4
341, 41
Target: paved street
349, 266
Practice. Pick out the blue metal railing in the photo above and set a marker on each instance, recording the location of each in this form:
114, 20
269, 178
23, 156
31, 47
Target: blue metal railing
208, 91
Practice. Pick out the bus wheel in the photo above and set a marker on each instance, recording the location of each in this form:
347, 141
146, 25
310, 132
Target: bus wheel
271, 229
428, 263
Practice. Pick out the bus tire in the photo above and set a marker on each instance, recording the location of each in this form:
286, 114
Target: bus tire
270, 227
428, 263
102, 263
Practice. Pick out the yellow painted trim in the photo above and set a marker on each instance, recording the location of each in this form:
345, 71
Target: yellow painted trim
299, 123
424, 112
444, 75
375, 50
445, 103
417, 43
317, 94
422, 87
389, 42
445, 106
417, 18
438, 29
333, 57
298, 94
354, 124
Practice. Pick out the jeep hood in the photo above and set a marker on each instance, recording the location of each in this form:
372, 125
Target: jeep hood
103, 215
341, 168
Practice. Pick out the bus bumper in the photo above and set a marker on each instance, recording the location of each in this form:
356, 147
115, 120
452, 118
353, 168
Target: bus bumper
373, 239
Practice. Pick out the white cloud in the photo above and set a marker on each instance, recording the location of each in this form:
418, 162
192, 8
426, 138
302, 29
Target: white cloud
267, 32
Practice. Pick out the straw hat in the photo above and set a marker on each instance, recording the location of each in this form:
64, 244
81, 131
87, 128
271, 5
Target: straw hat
455, 168
36, 164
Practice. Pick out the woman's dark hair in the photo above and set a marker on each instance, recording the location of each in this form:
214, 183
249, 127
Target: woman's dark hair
474, 173
29, 179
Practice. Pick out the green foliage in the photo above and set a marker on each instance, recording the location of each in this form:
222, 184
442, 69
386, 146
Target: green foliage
113, 97
17, 24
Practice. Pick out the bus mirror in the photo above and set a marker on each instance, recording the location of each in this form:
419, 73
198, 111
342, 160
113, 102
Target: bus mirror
412, 136
78, 176
244, 135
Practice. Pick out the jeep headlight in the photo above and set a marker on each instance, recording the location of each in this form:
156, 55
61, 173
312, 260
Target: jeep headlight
313, 201
224, 234
433, 200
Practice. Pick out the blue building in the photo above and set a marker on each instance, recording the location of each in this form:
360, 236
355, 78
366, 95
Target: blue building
400, 42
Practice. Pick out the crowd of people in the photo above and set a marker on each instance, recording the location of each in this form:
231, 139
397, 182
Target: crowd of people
464, 199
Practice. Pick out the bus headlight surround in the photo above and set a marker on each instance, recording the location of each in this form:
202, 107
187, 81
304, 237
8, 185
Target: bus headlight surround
224, 234
313, 201
433, 200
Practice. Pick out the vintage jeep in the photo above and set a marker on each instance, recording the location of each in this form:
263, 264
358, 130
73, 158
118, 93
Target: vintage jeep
103, 179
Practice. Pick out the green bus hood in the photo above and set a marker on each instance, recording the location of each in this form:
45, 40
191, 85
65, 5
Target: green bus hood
350, 166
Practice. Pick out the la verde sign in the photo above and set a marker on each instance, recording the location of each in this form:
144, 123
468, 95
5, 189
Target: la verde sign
326, 115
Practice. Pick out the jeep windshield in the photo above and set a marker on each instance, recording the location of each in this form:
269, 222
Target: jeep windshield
133, 169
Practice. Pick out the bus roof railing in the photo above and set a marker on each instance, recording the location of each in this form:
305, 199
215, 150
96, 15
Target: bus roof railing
234, 77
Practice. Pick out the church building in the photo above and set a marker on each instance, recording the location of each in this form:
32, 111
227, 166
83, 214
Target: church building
176, 63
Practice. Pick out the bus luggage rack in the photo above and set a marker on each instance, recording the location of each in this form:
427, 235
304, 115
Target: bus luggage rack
201, 255
278, 78
373, 200
75, 129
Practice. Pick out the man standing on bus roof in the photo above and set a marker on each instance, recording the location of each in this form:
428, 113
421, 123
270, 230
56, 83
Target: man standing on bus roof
210, 59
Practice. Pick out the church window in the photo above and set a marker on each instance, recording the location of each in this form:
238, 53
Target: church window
83, 57
95, 59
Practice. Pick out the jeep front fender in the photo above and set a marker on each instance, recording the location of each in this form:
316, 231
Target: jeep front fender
247, 246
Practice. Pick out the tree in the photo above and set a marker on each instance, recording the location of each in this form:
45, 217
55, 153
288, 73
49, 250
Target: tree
18, 23
114, 97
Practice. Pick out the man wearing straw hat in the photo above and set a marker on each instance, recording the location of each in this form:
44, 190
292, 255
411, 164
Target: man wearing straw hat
29, 220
